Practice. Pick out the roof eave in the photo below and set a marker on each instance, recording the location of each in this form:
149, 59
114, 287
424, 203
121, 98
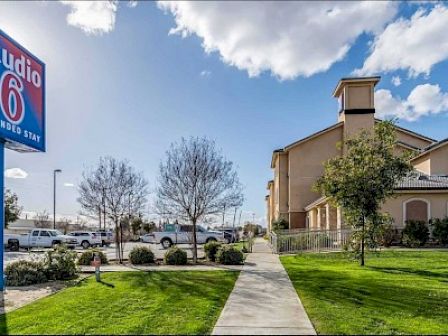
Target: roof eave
431, 148
353, 80
314, 135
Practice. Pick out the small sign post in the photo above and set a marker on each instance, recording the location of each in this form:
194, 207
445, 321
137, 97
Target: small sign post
97, 263
22, 111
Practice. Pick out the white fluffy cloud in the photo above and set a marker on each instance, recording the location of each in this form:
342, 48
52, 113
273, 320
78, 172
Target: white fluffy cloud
16, 173
289, 39
396, 80
93, 17
425, 99
414, 45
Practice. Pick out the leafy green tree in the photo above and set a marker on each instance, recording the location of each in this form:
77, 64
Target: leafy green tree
280, 224
12, 208
363, 178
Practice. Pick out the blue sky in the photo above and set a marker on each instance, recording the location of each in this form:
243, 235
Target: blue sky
254, 77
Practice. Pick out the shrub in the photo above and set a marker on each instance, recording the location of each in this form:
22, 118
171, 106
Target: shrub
141, 255
228, 255
415, 233
211, 249
280, 224
25, 273
175, 256
86, 257
440, 230
60, 264
386, 234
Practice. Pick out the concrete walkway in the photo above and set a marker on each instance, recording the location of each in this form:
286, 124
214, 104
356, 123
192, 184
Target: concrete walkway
263, 302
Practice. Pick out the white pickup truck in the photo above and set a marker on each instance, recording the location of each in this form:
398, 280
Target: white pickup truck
183, 234
86, 238
38, 238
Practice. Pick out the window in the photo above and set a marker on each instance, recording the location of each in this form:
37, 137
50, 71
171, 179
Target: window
186, 228
35, 233
44, 234
416, 209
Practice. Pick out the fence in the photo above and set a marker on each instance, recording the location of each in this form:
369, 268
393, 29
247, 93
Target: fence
313, 241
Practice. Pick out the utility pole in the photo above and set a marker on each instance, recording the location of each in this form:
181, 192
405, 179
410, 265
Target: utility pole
54, 196
233, 226
223, 218
99, 213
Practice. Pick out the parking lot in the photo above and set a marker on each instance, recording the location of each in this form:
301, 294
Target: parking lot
110, 252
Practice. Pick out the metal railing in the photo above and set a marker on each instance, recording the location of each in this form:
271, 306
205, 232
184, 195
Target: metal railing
312, 241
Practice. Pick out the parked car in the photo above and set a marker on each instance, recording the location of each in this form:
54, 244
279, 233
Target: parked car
182, 234
107, 238
38, 238
231, 235
86, 239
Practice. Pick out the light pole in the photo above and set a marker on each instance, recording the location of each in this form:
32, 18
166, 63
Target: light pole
54, 196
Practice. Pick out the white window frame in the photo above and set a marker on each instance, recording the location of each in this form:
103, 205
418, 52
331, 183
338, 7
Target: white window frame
428, 204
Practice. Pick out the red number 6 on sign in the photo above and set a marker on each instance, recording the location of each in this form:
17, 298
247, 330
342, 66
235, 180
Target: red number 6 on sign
11, 101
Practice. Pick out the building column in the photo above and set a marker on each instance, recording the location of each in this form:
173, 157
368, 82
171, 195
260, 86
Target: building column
312, 219
319, 218
339, 223
327, 217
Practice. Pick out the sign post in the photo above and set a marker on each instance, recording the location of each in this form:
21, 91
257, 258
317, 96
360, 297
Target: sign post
97, 263
22, 111
2, 216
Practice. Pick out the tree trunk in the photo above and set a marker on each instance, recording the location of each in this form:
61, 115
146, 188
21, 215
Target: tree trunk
121, 243
117, 242
362, 240
99, 217
195, 243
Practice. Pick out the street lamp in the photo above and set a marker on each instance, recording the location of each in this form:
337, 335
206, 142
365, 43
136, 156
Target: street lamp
54, 196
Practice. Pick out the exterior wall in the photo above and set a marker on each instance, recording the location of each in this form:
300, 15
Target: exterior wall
297, 220
275, 195
358, 96
283, 184
438, 205
423, 164
268, 213
355, 123
439, 161
412, 139
400, 150
305, 167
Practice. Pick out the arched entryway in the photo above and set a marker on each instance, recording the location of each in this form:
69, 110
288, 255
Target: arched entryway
416, 209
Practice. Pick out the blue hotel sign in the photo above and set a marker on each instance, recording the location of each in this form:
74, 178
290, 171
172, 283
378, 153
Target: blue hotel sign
22, 98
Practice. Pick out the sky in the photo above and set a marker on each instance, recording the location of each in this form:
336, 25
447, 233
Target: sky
127, 79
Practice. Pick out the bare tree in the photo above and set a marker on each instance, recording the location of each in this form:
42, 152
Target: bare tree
195, 181
42, 220
118, 189
91, 198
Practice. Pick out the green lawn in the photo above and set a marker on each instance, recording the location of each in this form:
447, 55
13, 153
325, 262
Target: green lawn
139, 303
397, 292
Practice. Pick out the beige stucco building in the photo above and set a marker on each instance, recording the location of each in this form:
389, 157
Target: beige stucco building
298, 165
